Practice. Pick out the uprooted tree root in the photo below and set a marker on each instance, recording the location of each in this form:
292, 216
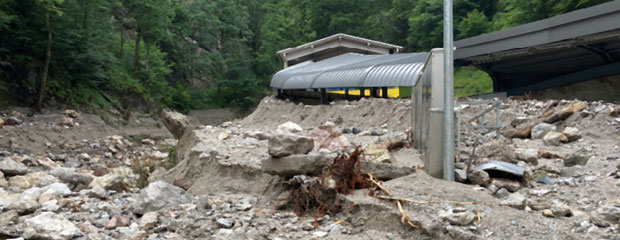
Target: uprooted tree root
342, 176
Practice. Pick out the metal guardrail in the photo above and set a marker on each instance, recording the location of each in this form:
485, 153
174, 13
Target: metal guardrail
495, 105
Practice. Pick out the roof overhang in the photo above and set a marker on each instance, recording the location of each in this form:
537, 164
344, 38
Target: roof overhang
555, 49
333, 46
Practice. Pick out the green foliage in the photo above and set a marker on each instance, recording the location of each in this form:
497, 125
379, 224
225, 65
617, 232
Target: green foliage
196, 54
475, 23
173, 158
471, 81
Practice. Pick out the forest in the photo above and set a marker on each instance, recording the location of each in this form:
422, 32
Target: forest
198, 54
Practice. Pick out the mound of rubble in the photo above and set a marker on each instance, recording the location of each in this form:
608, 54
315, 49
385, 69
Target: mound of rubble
290, 171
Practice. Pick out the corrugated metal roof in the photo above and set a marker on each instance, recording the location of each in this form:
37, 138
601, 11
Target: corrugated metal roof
340, 36
353, 70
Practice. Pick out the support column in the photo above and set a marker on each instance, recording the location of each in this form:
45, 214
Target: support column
384, 92
346, 93
373, 92
323, 96
362, 92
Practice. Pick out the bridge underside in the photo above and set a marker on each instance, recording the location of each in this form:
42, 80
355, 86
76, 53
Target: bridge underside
566, 49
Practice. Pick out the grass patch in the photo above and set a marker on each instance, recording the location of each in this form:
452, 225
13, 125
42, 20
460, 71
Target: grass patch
471, 81
172, 155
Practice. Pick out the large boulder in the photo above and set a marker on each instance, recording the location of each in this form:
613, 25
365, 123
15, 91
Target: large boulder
48, 225
177, 123
286, 145
328, 136
159, 195
311, 164
541, 129
200, 162
11, 167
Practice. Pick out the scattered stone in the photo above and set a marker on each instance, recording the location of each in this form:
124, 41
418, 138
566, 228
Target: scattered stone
545, 180
20, 182
548, 213
100, 171
502, 193
518, 121
223, 136
548, 155
356, 130
606, 215
540, 130
288, 128
8, 217
257, 135
378, 132
286, 145
10, 167
148, 220
499, 149
148, 141
460, 175
203, 202
1, 123
12, 121
516, 200
224, 223
573, 171
70, 176
577, 158
98, 192
159, 195
119, 179
49, 225
66, 122
320, 234
573, 134
71, 113
554, 138
563, 211
118, 221
527, 155
457, 216
479, 177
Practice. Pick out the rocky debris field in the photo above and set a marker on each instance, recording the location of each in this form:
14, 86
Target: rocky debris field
291, 171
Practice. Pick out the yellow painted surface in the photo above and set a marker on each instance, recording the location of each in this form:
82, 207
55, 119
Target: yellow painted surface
392, 92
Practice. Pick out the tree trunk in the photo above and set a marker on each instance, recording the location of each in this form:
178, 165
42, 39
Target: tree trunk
136, 61
122, 45
148, 56
48, 57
